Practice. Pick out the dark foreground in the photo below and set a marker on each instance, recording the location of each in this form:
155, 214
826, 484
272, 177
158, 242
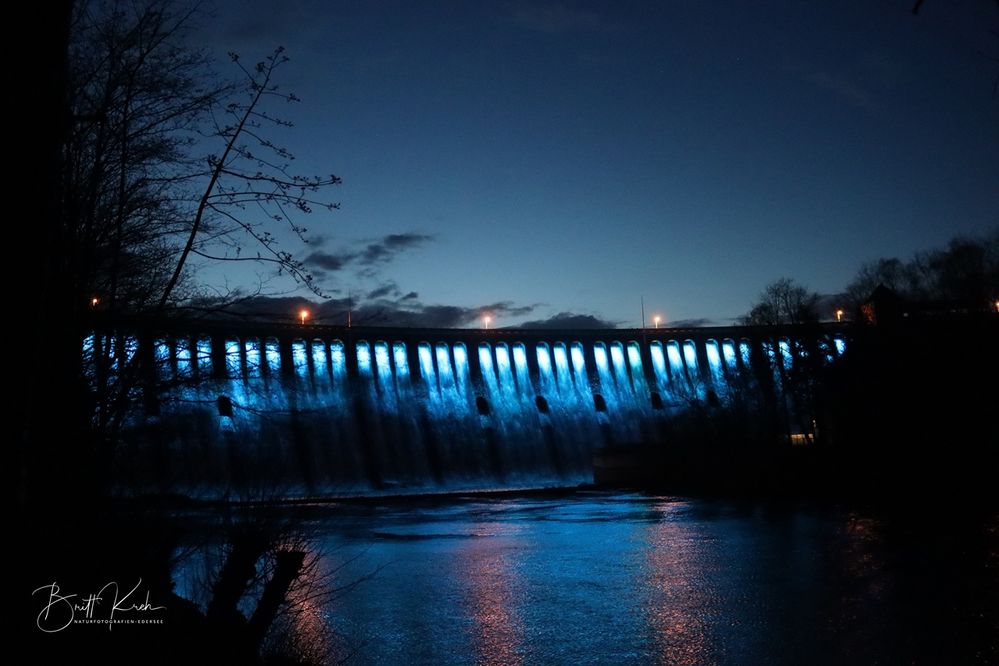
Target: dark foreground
607, 578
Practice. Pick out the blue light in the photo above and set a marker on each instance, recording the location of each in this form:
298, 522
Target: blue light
546, 377
693, 368
161, 353
579, 367
385, 379
746, 352
659, 366
204, 347
840, 345
272, 352
401, 361
607, 387
427, 368
563, 376
728, 354
252, 347
444, 371
461, 367
338, 363
508, 388
785, 353
232, 358
520, 365
319, 356
620, 369
677, 371
487, 370
184, 369
713, 355
364, 360
637, 369
770, 353
300, 358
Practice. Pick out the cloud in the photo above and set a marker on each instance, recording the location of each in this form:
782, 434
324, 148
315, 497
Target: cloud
690, 323
327, 261
569, 320
389, 309
383, 290
374, 254
387, 247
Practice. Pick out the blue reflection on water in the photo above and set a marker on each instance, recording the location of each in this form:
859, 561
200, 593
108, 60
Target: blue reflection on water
628, 579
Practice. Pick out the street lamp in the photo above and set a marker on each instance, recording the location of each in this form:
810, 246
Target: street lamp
486, 320
839, 315
94, 302
656, 320
303, 315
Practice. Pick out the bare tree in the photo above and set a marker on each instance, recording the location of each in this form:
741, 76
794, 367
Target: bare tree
783, 301
166, 166
966, 270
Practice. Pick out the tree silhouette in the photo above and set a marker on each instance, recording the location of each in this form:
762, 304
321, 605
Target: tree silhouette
782, 302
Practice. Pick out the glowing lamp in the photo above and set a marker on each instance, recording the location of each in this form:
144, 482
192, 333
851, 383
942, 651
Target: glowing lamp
94, 302
656, 320
839, 315
487, 320
303, 315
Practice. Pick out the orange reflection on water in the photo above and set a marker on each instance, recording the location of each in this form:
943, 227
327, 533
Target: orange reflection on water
490, 582
309, 636
679, 602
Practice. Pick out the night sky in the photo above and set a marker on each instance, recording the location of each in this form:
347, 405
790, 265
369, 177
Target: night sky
533, 159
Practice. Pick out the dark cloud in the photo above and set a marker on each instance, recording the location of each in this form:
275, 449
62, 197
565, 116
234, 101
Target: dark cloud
569, 320
690, 323
375, 253
387, 247
386, 309
383, 291
327, 261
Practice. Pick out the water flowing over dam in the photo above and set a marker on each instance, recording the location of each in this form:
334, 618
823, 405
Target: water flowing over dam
266, 411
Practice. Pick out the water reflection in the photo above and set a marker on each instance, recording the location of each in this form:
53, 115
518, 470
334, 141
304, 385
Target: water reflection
490, 590
679, 605
626, 579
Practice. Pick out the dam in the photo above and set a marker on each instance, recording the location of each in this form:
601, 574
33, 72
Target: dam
263, 411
